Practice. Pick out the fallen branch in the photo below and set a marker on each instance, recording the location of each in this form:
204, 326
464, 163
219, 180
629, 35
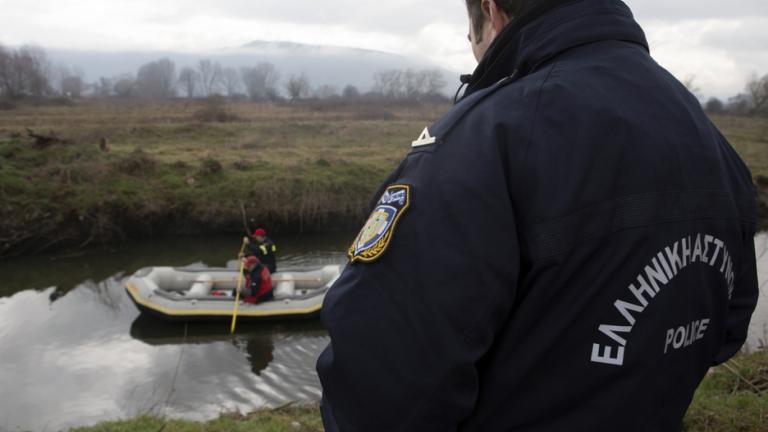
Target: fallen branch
733, 369
45, 141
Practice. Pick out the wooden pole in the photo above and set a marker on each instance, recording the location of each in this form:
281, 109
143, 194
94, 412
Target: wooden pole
239, 285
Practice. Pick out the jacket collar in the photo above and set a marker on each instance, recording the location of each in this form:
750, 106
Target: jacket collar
549, 28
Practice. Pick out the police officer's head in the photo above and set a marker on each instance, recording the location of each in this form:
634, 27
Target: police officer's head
486, 20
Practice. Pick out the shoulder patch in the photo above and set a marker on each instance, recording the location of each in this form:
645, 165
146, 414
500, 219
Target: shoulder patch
375, 236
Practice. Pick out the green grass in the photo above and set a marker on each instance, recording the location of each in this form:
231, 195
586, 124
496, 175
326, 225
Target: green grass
301, 419
726, 403
723, 403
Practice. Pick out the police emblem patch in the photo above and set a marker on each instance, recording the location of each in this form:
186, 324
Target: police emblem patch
375, 236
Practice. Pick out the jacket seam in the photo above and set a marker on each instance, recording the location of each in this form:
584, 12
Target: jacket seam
521, 163
640, 226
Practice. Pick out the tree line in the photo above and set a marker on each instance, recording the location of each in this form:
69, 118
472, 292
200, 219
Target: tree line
753, 101
27, 73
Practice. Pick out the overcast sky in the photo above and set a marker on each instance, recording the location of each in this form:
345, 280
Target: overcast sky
719, 43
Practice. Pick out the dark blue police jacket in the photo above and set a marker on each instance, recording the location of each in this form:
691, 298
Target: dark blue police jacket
570, 248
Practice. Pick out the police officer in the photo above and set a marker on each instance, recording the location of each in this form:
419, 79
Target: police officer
262, 247
603, 225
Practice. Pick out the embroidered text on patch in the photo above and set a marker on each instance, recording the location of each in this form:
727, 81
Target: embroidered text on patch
375, 236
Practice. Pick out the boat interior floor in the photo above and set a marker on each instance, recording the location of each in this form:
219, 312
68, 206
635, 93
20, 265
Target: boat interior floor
181, 297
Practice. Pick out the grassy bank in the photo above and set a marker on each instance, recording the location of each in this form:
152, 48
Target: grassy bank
114, 170
726, 403
723, 403
167, 169
301, 419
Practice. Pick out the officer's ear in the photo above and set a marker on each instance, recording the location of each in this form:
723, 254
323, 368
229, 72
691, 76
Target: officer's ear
495, 16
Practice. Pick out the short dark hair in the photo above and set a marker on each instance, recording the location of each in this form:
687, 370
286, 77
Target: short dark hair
510, 7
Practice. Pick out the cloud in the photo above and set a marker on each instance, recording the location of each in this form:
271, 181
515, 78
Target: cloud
444, 44
748, 35
393, 16
720, 43
674, 10
719, 53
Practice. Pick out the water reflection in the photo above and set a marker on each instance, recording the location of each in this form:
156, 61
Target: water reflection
81, 354
254, 340
65, 272
88, 358
758, 329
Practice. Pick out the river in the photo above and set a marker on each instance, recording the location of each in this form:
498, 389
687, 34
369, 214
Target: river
74, 350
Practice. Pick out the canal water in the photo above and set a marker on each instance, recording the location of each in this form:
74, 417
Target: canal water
74, 350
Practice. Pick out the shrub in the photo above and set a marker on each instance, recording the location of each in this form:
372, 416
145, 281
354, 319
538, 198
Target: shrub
7, 105
215, 110
242, 165
136, 163
179, 164
210, 166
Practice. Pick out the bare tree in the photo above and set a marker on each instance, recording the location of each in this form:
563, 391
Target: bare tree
104, 87
210, 76
714, 106
690, 83
739, 104
230, 79
72, 86
71, 82
350, 92
326, 92
409, 84
188, 79
125, 87
157, 79
261, 81
5, 73
389, 83
757, 88
434, 82
24, 72
298, 87
30, 73
413, 84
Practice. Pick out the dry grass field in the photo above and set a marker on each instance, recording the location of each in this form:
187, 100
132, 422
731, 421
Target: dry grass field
126, 169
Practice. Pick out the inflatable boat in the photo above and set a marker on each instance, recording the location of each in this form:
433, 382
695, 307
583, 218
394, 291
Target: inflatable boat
208, 294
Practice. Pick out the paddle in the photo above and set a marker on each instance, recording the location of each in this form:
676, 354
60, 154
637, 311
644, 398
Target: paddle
274, 279
239, 285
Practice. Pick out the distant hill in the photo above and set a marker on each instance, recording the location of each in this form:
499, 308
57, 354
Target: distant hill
337, 66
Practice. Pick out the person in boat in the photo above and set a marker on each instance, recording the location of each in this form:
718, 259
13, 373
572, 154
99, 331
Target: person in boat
570, 248
263, 248
258, 281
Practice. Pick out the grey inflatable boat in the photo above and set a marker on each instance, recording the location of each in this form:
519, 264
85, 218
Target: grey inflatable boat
188, 294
